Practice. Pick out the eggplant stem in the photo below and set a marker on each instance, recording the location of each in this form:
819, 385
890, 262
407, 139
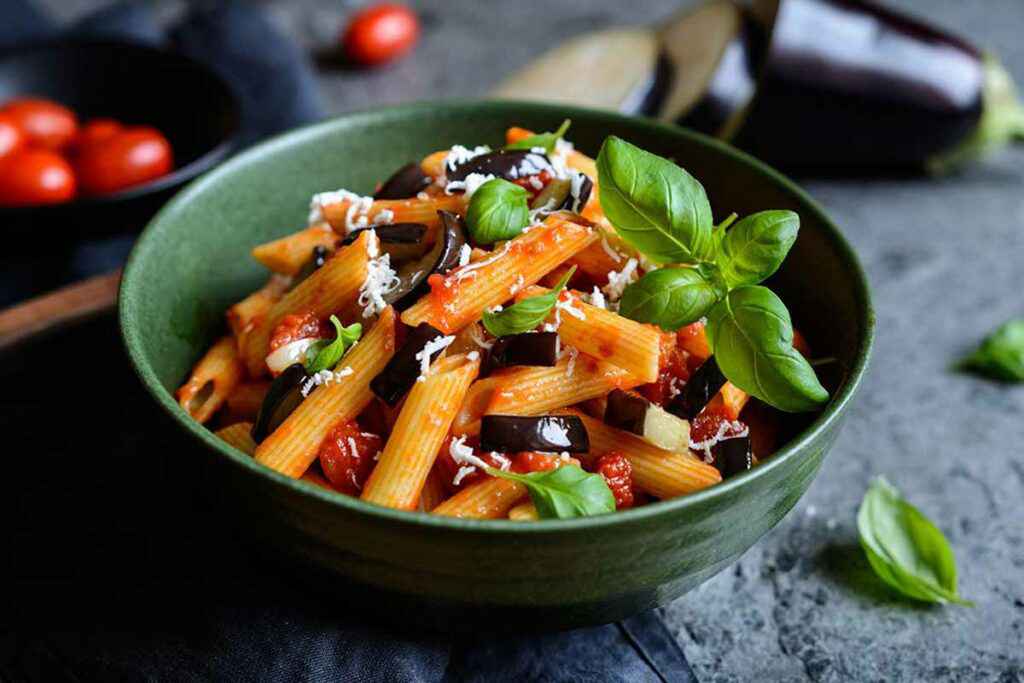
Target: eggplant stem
1001, 123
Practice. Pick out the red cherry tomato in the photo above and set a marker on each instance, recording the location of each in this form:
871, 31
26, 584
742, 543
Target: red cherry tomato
346, 456
96, 130
45, 123
618, 474
381, 34
130, 157
35, 176
11, 137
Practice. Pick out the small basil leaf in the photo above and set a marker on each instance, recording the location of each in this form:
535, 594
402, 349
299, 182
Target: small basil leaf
751, 335
904, 548
655, 206
1001, 355
564, 492
497, 211
756, 246
525, 315
327, 354
670, 297
545, 140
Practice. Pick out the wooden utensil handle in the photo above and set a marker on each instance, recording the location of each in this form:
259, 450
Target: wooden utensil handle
58, 308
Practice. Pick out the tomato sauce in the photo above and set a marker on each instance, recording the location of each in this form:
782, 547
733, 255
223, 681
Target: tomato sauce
618, 474
296, 326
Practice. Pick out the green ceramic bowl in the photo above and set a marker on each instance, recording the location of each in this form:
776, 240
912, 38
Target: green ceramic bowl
193, 261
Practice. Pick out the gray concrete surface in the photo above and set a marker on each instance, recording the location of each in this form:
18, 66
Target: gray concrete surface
946, 260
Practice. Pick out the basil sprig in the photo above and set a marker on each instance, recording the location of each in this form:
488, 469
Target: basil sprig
1001, 355
904, 548
663, 212
324, 354
498, 210
525, 315
565, 492
545, 140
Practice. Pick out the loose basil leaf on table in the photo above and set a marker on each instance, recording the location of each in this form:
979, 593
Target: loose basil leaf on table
670, 297
564, 492
324, 355
1001, 355
545, 140
525, 315
756, 246
751, 335
498, 210
904, 548
656, 207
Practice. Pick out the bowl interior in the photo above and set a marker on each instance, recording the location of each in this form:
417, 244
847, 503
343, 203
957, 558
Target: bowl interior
193, 260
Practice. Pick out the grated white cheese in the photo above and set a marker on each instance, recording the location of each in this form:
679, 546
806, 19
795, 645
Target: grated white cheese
460, 155
465, 253
469, 269
325, 377
474, 334
380, 279
473, 355
517, 285
535, 183
384, 216
571, 365
355, 216
614, 255
563, 147
472, 183
468, 461
618, 280
567, 306
739, 429
497, 308
596, 298
429, 349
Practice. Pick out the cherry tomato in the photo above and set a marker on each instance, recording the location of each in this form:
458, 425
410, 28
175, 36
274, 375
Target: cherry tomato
11, 137
35, 176
380, 34
346, 456
618, 474
296, 326
96, 130
45, 123
130, 157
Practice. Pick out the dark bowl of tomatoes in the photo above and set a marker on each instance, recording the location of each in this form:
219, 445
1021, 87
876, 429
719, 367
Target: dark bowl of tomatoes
96, 136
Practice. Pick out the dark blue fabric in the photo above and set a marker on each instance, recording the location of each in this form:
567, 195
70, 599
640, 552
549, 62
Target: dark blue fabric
119, 568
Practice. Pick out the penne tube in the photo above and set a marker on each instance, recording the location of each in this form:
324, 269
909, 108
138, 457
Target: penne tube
212, 380
729, 401
243, 316
399, 476
524, 512
433, 164
294, 445
288, 254
461, 296
316, 479
244, 402
661, 473
347, 215
332, 289
434, 491
490, 498
605, 335
597, 260
474, 405
239, 435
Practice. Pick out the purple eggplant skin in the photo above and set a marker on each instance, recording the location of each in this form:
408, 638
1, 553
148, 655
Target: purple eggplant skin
398, 376
404, 183
699, 390
509, 164
283, 397
576, 204
317, 258
733, 456
547, 433
539, 349
846, 84
392, 233
626, 411
440, 259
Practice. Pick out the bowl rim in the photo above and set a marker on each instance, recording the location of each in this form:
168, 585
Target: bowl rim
179, 175
832, 413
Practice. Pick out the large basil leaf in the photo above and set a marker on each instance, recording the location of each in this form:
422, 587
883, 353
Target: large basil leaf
545, 140
904, 548
1001, 355
525, 315
564, 492
498, 210
751, 335
671, 297
655, 206
756, 246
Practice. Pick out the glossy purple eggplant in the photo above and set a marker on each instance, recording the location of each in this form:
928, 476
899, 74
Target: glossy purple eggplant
401, 372
547, 433
699, 390
733, 456
529, 348
442, 257
509, 164
404, 183
283, 397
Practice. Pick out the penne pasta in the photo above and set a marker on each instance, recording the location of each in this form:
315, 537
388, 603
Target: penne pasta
461, 296
244, 402
434, 491
239, 435
661, 473
288, 254
332, 289
729, 401
433, 164
243, 316
426, 417
490, 498
212, 380
524, 512
294, 445
597, 260
474, 405
347, 214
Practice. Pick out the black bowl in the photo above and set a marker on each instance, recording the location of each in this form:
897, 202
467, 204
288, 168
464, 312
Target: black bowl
193, 107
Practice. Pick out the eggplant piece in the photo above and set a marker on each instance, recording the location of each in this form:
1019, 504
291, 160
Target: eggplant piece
440, 259
699, 390
283, 397
509, 164
404, 183
733, 456
403, 241
320, 255
398, 376
846, 84
538, 349
558, 194
637, 415
549, 433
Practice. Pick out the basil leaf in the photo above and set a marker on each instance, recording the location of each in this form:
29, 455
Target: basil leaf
497, 211
655, 206
904, 548
755, 247
525, 315
1001, 355
325, 355
545, 140
564, 492
751, 335
671, 297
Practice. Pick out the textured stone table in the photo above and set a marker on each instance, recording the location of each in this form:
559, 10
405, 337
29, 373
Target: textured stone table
946, 260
